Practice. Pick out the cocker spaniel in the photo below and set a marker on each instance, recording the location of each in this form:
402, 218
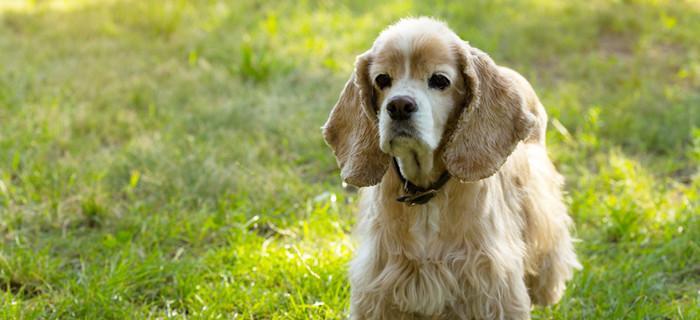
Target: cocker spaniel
462, 215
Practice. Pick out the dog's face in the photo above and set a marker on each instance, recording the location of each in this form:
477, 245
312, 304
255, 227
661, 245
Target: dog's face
417, 85
403, 96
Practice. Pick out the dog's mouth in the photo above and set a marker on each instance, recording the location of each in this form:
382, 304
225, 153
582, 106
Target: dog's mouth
403, 132
400, 137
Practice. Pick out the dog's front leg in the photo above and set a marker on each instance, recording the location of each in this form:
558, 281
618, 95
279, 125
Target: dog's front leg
493, 298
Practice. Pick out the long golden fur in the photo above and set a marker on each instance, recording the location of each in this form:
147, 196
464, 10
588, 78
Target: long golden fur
495, 239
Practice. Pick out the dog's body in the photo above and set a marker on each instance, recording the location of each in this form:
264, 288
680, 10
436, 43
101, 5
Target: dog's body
491, 241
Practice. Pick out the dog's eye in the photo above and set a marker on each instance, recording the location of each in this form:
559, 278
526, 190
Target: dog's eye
438, 81
383, 81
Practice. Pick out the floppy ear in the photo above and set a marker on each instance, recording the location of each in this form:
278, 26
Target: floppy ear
351, 130
493, 122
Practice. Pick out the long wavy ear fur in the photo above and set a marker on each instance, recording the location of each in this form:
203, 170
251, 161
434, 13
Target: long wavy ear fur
493, 122
352, 132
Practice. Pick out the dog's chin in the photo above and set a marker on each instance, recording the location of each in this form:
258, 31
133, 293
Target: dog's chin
415, 155
401, 144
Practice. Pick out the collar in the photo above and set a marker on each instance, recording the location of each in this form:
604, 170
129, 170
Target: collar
417, 194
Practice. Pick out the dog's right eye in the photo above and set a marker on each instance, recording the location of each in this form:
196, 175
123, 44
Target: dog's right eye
383, 81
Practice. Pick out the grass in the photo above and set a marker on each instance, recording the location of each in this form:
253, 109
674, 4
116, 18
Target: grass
163, 159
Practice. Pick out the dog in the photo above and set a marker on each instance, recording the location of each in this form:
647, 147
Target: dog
461, 211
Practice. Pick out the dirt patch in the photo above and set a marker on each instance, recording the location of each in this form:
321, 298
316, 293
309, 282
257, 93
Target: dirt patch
20, 288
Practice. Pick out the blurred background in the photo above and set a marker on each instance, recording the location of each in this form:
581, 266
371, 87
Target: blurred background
164, 159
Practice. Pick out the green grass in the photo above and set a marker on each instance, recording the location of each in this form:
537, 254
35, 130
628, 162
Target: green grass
164, 159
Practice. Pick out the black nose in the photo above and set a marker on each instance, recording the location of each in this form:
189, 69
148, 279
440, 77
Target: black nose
401, 107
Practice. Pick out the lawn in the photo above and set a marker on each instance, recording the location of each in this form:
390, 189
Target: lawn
164, 159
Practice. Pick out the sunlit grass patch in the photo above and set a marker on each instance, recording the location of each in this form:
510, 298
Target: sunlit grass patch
34, 5
626, 201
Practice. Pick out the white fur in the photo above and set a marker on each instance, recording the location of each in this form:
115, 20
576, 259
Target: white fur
434, 107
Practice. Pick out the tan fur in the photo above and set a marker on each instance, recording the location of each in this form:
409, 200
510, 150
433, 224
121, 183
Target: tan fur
494, 240
496, 119
351, 131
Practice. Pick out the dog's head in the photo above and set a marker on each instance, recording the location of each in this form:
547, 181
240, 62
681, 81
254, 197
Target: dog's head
419, 90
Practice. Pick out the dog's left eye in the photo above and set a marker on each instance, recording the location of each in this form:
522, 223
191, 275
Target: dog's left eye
438, 81
383, 80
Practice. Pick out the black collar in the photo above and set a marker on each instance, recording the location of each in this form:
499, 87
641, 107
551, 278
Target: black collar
416, 194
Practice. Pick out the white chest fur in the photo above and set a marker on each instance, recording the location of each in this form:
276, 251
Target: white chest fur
425, 231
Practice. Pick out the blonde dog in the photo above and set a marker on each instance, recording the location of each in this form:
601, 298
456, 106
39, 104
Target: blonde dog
462, 216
